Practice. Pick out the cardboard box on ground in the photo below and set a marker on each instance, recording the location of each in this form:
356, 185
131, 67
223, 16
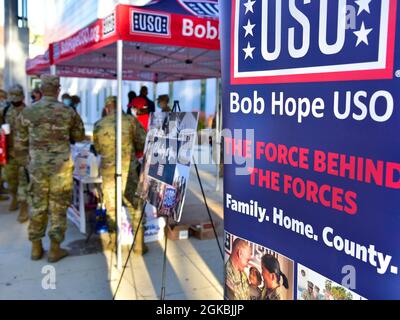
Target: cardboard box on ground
178, 232
202, 231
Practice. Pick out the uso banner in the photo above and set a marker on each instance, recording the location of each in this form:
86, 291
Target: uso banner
311, 143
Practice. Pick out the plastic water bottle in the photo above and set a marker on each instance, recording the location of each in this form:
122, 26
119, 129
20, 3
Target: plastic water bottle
92, 166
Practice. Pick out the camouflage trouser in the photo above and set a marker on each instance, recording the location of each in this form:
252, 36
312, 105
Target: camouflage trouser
51, 193
129, 185
136, 203
17, 180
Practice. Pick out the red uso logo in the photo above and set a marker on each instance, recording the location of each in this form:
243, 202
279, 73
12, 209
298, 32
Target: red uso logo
310, 40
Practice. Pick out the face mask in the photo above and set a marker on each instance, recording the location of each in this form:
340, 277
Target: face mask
67, 102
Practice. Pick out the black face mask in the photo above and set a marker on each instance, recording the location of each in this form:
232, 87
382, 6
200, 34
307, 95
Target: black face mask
17, 104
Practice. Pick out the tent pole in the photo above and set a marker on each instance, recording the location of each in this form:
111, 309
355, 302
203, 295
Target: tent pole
118, 169
53, 70
218, 133
155, 92
28, 89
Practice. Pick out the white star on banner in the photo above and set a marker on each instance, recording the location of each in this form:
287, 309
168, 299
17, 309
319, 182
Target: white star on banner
363, 6
362, 35
249, 29
249, 51
249, 6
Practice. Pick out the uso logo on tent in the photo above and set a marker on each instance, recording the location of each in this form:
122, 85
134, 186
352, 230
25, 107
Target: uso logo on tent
201, 8
150, 23
312, 40
109, 25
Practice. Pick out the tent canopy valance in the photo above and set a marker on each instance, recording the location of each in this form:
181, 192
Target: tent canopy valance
39, 64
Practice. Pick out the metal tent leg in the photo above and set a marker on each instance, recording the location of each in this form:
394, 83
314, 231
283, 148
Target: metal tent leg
118, 169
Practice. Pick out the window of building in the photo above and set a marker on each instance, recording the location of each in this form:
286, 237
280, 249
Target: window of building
22, 14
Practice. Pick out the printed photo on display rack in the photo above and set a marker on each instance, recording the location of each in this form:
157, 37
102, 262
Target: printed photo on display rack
313, 286
253, 272
167, 162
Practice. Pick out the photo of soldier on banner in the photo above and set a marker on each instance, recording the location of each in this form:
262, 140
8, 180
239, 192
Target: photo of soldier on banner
313, 286
167, 162
254, 272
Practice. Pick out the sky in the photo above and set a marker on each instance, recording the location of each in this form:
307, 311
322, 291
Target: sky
1, 12
35, 19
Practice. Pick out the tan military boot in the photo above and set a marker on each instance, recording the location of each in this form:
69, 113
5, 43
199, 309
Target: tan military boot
23, 212
56, 253
37, 250
14, 203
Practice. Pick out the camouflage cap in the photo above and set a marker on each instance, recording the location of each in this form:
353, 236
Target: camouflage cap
50, 83
16, 94
163, 97
111, 99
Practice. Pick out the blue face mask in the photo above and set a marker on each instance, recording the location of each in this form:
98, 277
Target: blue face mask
67, 102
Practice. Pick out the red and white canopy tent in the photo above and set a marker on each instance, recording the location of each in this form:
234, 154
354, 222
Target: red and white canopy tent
164, 41
167, 40
38, 65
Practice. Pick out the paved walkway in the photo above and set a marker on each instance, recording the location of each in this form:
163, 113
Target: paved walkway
195, 268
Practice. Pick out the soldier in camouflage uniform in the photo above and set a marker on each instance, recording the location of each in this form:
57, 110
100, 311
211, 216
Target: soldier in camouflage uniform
47, 130
236, 281
272, 294
275, 281
16, 174
133, 140
4, 104
309, 293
